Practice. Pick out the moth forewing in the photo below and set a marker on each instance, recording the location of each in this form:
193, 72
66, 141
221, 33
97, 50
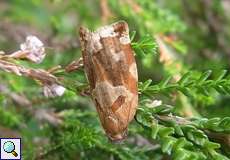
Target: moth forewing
112, 74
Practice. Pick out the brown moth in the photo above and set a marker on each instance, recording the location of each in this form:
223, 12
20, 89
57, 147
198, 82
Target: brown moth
112, 74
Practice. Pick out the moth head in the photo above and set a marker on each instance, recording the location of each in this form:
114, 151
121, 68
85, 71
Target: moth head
115, 130
117, 138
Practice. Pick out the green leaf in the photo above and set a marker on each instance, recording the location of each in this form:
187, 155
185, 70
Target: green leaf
162, 109
225, 124
154, 130
145, 85
167, 145
166, 131
187, 92
133, 34
164, 83
221, 75
211, 145
180, 154
221, 90
184, 79
146, 45
204, 76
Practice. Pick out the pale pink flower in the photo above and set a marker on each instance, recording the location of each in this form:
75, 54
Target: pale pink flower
53, 90
32, 49
155, 103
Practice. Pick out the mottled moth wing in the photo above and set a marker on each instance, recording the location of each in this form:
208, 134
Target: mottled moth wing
112, 74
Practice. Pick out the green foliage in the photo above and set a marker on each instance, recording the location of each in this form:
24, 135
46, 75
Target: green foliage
145, 45
9, 119
83, 138
179, 137
214, 124
189, 84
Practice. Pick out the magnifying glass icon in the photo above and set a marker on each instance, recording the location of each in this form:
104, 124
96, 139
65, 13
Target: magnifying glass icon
9, 147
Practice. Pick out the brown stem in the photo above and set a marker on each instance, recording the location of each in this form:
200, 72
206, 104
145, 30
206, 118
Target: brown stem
75, 65
105, 11
219, 138
37, 74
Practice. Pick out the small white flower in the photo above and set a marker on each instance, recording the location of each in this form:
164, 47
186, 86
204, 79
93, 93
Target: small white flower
35, 49
155, 103
53, 90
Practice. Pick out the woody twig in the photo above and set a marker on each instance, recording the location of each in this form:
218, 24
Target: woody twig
105, 11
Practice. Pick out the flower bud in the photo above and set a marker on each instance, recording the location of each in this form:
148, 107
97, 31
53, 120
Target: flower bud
33, 50
53, 90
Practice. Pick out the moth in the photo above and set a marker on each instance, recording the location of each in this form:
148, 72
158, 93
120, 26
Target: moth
111, 70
